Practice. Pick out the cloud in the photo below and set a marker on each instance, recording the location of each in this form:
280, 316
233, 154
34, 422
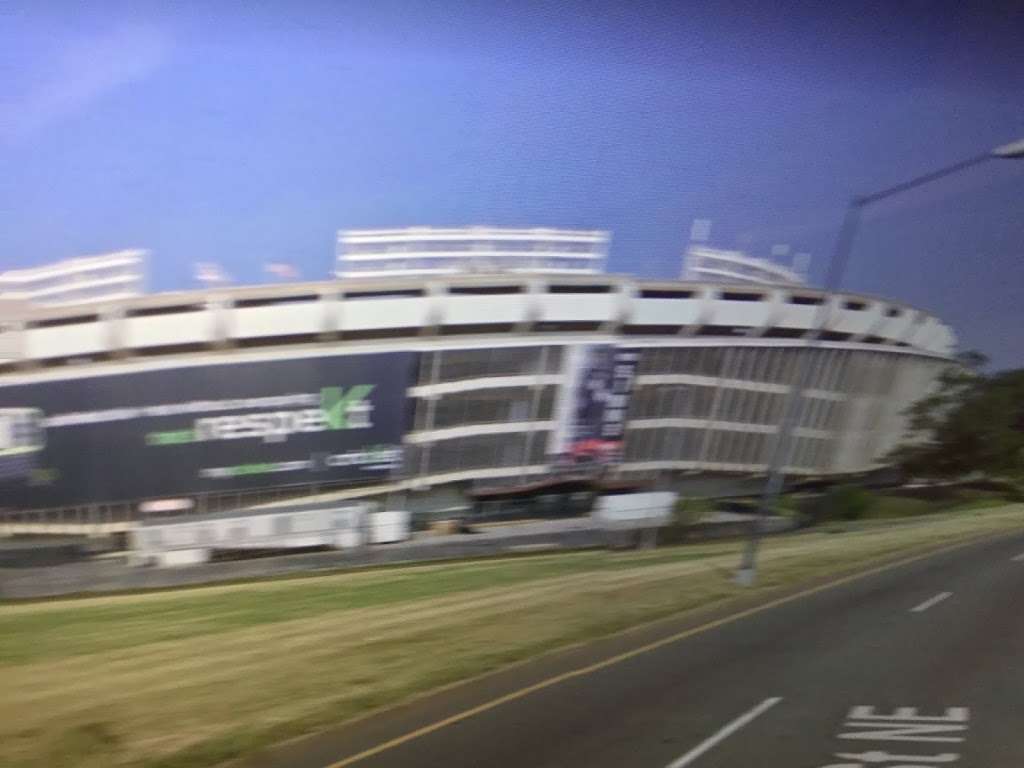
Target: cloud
80, 75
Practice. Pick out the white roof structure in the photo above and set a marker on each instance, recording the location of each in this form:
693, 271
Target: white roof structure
105, 277
715, 265
423, 251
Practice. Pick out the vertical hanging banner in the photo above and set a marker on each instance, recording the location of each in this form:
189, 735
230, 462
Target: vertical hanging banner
592, 406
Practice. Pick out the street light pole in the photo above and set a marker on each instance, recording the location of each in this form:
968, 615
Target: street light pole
794, 405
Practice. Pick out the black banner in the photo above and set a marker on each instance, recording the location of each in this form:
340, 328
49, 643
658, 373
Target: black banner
592, 412
210, 428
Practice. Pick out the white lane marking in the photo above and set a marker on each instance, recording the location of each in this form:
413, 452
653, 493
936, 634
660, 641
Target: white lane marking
877, 756
724, 733
1018, 558
930, 602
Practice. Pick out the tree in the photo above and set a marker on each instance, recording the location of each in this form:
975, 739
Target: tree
973, 422
972, 359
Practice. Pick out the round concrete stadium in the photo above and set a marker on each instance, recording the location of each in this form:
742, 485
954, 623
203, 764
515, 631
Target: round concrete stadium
715, 363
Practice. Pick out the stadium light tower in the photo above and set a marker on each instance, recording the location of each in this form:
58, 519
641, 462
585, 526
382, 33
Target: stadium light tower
804, 369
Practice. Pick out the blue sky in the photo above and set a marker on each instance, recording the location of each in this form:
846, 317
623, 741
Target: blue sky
243, 133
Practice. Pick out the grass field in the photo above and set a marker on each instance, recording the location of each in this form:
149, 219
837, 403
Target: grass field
195, 677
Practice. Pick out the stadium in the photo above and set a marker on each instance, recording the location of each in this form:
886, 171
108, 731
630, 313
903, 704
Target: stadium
430, 386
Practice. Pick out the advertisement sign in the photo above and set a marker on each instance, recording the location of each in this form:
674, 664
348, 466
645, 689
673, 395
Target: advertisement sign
592, 409
21, 440
208, 428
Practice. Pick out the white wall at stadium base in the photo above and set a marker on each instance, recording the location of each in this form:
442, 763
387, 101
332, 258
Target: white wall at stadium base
632, 511
192, 540
178, 557
389, 526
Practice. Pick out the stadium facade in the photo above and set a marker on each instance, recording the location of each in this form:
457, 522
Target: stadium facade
425, 386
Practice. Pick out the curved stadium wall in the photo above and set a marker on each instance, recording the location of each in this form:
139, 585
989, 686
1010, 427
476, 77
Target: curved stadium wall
714, 367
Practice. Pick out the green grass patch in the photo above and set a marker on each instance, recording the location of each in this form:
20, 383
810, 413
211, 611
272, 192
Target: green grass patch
57, 629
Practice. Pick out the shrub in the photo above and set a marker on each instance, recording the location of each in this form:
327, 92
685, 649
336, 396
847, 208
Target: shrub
689, 511
901, 506
847, 502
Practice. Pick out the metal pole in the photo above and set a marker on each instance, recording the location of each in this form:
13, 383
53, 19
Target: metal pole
794, 405
535, 396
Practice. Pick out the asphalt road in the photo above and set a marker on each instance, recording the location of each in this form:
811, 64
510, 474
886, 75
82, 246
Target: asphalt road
921, 664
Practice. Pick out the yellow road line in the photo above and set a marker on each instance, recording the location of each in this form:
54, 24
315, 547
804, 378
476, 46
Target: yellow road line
626, 655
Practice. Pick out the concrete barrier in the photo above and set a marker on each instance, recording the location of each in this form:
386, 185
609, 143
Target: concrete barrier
113, 574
